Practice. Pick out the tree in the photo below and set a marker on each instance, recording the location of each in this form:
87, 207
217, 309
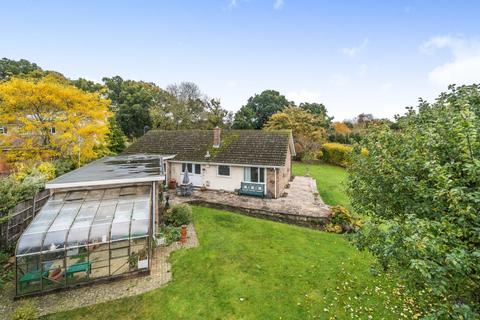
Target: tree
115, 137
189, 109
9, 68
318, 110
244, 118
88, 85
131, 102
48, 119
420, 186
216, 115
259, 109
307, 134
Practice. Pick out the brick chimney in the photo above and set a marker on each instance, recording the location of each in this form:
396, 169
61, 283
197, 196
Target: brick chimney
216, 137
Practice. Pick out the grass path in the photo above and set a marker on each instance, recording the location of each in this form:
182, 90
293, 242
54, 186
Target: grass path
247, 268
330, 181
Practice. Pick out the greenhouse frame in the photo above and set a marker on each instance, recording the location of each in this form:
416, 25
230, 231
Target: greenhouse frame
92, 230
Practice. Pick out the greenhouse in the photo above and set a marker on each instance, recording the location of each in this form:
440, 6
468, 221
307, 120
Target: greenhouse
87, 235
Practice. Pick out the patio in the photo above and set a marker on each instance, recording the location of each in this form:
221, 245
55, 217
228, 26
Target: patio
300, 205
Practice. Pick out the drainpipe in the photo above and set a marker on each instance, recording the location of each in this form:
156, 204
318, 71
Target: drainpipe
275, 173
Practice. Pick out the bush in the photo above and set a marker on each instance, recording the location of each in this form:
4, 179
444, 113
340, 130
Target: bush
26, 311
19, 186
336, 154
63, 166
341, 221
178, 215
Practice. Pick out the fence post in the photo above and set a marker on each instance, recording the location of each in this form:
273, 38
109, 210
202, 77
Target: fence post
34, 205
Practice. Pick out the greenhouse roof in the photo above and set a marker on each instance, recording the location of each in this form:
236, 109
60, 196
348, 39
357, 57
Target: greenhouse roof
79, 218
113, 170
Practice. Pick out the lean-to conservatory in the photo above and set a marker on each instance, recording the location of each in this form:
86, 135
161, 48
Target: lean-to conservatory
96, 225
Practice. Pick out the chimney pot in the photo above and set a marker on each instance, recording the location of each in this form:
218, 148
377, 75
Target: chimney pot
216, 137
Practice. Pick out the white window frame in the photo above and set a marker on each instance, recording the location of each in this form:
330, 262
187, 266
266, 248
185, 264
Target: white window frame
193, 167
223, 175
53, 130
3, 130
259, 169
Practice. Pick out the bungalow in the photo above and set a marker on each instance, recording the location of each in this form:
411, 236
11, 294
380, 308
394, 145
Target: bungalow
251, 162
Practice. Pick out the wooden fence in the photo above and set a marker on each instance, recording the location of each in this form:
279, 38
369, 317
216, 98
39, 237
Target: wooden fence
20, 218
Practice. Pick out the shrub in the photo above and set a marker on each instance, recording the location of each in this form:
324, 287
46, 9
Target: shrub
63, 166
341, 221
26, 311
336, 153
178, 215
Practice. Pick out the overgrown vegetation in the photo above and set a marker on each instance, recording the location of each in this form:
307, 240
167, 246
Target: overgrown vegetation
420, 187
179, 215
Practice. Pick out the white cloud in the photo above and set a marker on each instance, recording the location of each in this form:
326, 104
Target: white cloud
464, 65
232, 3
303, 95
353, 52
278, 4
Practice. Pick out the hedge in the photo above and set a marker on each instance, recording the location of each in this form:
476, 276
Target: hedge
336, 153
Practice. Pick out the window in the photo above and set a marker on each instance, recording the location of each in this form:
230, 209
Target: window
223, 170
254, 174
53, 130
3, 130
192, 168
188, 166
197, 169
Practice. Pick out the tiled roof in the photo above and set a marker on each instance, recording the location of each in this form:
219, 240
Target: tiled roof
249, 147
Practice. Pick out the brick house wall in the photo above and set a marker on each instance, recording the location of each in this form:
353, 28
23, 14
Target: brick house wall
282, 178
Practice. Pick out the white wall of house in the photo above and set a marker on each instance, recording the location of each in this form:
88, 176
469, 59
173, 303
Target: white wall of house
210, 177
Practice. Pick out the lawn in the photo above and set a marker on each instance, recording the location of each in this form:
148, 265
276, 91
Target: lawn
330, 181
247, 268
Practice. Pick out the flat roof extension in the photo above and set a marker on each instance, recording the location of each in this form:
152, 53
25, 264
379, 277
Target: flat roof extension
113, 170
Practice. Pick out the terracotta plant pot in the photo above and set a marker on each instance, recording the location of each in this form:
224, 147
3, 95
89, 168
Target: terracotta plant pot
183, 234
172, 184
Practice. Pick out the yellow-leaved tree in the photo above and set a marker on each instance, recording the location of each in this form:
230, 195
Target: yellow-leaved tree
48, 118
308, 135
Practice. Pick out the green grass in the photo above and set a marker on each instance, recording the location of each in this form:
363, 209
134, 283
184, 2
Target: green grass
248, 268
330, 181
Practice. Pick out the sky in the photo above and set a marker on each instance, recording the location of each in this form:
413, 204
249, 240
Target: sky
353, 56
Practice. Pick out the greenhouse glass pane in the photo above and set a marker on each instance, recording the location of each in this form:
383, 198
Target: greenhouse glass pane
111, 193
55, 240
66, 216
94, 195
58, 196
30, 243
139, 228
123, 212
141, 210
76, 195
104, 214
99, 233
120, 230
78, 236
128, 191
